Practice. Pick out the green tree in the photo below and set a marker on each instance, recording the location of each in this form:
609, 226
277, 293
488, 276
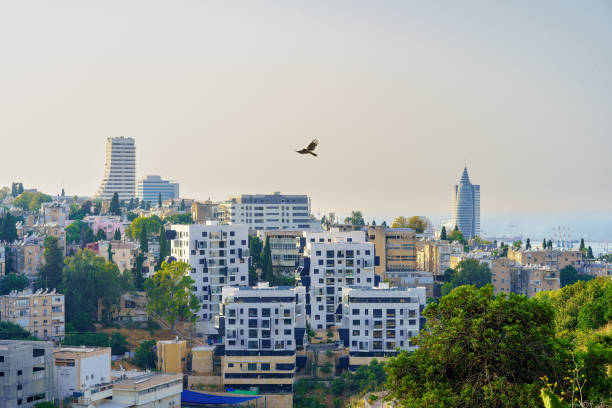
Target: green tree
138, 278
266, 261
182, 207
50, 273
355, 219
12, 282
45, 404
145, 356
114, 207
110, 252
100, 235
118, 343
12, 331
117, 235
30, 201
516, 245
456, 235
144, 240
468, 272
479, 350
582, 247
152, 224
8, 228
179, 218
415, 222
544, 244
590, 253
528, 244
89, 281
170, 293
443, 236
164, 246
569, 275
384, 223
4, 192
159, 200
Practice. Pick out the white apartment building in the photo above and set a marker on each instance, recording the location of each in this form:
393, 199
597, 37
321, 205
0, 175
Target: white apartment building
270, 212
376, 321
333, 260
119, 169
55, 212
80, 368
218, 256
262, 328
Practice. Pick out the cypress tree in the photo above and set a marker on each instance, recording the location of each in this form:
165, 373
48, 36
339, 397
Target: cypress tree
110, 252
117, 236
50, 274
100, 235
114, 207
443, 236
266, 261
144, 243
582, 244
544, 244
182, 208
159, 202
528, 244
590, 253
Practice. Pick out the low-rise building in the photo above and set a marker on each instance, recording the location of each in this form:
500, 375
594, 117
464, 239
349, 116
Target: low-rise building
434, 256
262, 328
27, 373
204, 211
149, 390
600, 269
80, 368
395, 249
503, 270
55, 212
41, 312
377, 321
285, 249
171, 355
557, 258
123, 253
531, 279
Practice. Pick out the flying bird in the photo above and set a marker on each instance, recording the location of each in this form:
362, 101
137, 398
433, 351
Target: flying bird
310, 148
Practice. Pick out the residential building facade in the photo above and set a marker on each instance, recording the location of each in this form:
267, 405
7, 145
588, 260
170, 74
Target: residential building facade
41, 312
285, 249
218, 256
270, 211
201, 212
171, 355
377, 321
262, 329
27, 373
333, 260
80, 368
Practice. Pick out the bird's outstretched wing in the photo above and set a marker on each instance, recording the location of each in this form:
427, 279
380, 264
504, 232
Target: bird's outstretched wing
313, 145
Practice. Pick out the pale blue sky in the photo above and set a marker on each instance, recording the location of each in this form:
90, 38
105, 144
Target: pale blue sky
399, 93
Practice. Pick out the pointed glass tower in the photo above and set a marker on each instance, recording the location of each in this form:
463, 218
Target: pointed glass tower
466, 206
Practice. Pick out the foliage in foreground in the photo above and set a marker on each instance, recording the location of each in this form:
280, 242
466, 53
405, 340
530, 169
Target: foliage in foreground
478, 350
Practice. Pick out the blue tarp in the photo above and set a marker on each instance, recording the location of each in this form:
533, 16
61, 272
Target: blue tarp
191, 397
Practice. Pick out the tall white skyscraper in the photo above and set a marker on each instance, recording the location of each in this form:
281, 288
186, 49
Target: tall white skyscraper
466, 206
119, 170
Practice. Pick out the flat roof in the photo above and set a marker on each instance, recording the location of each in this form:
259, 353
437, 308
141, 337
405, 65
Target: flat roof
146, 380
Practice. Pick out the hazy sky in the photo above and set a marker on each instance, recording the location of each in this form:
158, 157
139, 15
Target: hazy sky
400, 94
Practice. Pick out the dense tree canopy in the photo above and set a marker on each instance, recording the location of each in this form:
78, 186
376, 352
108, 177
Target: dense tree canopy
50, 273
569, 275
170, 293
12, 282
12, 331
356, 219
415, 222
30, 201
86, 279
180, 218
145, 356
152, 224
478, 350
8, 228
467, 272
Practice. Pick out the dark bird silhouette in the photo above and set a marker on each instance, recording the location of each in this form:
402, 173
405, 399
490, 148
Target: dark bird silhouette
310, 148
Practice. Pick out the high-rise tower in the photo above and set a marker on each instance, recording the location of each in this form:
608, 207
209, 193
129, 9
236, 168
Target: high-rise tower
119, 170
466, 206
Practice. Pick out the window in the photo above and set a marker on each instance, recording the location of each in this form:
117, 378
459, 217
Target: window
265, 366
19, 372
252, 367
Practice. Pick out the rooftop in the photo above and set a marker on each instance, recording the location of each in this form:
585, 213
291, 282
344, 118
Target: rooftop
146, 380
